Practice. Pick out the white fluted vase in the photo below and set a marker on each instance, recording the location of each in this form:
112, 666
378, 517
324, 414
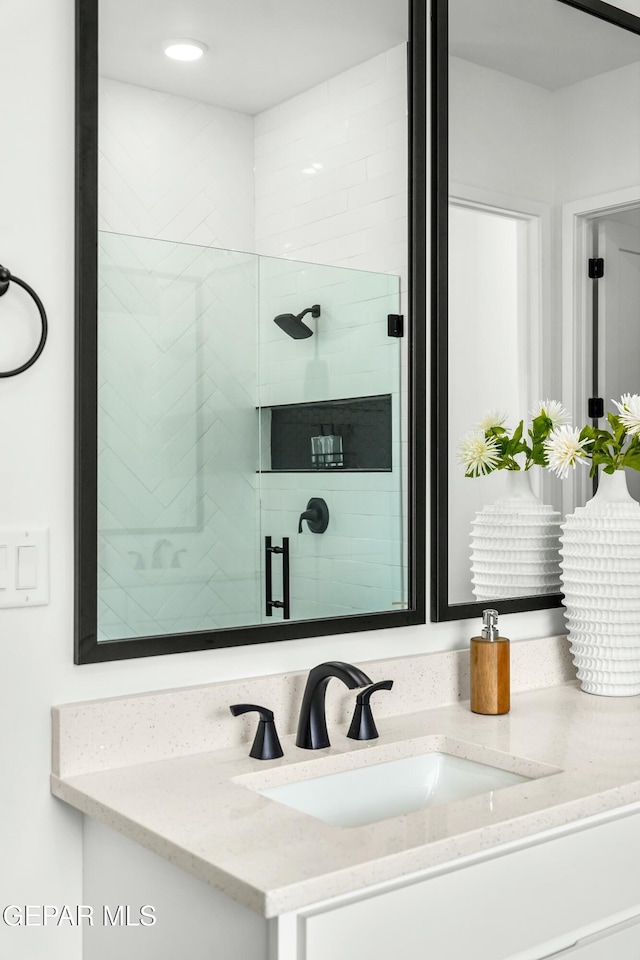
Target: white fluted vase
515, 544
601, 584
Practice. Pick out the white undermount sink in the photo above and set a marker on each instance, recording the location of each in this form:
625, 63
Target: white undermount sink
382, 790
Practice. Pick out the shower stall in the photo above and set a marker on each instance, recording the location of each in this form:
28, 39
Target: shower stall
237, 392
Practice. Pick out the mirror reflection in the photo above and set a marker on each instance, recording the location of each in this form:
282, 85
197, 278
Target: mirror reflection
252, 269
544, 164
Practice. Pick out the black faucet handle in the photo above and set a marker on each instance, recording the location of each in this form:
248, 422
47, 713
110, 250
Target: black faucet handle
364, 695
363, 725
266, 745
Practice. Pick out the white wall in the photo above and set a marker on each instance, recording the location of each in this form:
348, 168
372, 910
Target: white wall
598, 149
483, 277
502, 154
501, 137
40, 838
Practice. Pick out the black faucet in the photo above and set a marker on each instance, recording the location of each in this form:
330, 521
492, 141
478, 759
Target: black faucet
312, 725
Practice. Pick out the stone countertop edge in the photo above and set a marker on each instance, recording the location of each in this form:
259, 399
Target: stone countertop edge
202, 812
473, 847
119, 731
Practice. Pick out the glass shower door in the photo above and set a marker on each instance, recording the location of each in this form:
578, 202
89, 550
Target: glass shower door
332, 461
242, 398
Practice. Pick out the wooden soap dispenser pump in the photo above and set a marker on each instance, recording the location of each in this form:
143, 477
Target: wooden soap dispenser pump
489, 670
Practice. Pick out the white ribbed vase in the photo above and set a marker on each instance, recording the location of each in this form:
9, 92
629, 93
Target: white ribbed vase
601, 584
515, 544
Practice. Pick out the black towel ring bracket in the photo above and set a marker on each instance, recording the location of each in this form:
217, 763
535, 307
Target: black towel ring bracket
6, 277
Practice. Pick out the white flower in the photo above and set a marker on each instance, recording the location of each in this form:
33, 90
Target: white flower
552, 410
491, 419
564, 448
629, 408
478, 453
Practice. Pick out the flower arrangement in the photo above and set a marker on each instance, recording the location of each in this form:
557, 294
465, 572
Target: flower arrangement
491, 446
612, 449
551, 442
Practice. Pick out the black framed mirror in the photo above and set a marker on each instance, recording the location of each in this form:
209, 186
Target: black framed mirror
524, 182
250, 321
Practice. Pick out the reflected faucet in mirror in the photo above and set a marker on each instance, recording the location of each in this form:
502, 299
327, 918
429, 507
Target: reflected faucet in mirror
157, 559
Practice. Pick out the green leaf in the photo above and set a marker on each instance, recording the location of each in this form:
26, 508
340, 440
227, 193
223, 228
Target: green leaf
632, 459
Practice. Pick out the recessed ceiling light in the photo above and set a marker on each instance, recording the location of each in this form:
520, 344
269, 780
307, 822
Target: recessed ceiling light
185, 49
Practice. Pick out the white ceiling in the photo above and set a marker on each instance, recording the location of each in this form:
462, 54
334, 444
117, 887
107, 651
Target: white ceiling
541, 41
261, 52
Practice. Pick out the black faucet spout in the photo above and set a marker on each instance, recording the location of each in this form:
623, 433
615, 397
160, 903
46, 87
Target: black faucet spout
312, 726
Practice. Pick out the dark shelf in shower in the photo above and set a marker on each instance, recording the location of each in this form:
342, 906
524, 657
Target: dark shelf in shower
363, 423
329, 470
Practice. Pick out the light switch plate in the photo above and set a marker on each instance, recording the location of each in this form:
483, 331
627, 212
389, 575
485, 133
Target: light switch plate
24, 567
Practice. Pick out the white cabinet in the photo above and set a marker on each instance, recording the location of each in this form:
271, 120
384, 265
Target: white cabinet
526, 905
575, 897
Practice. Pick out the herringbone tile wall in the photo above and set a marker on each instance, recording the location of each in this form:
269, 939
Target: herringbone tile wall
177, 438
174, 168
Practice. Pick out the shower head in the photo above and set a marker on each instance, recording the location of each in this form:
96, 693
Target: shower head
293, 326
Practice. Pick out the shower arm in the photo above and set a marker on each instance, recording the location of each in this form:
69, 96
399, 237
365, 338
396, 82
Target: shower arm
314, 311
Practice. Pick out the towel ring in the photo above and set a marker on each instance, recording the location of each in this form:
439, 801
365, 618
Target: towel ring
5, 279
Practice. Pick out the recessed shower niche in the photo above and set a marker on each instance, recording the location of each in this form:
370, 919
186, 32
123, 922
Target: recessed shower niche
349, 434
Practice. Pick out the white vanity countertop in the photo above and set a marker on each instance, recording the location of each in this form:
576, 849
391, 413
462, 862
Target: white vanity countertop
200, 812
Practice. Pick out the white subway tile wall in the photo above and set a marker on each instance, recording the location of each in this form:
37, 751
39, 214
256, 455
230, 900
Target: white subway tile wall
331, 170
356, 565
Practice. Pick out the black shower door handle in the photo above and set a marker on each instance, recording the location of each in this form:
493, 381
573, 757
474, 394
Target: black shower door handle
283, 604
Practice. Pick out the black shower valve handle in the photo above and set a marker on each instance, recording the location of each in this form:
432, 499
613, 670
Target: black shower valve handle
316, 515
266, 745
307, 515
363, 725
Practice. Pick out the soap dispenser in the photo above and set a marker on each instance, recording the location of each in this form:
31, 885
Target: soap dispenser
489, 676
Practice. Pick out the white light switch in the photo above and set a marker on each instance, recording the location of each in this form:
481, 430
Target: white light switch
27, 568
24, 567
